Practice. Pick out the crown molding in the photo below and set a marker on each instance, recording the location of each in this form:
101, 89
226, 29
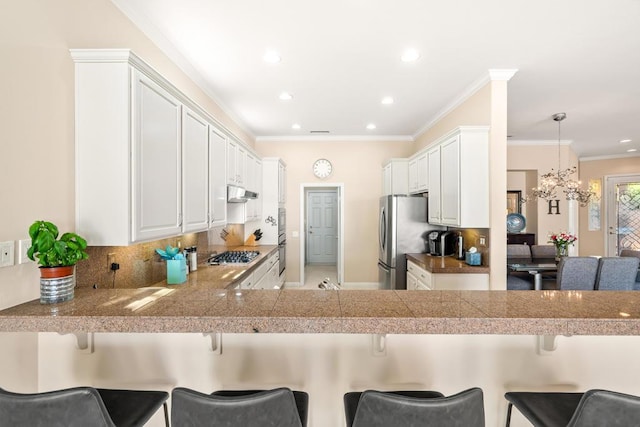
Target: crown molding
524, 142
336, 138
468, 92
502, 74
169, 49
608, 157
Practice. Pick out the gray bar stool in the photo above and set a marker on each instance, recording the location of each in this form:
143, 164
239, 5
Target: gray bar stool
280, 407
429, 408
595, 408
81, 407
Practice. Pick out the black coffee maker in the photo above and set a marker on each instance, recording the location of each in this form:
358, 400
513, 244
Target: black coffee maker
441, 243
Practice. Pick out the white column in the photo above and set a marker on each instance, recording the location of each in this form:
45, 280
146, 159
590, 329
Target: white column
572, 224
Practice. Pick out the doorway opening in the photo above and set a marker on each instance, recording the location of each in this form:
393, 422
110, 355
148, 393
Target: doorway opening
321, 234
622, 202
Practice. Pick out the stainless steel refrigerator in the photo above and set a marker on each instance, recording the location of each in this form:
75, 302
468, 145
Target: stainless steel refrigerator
402, 229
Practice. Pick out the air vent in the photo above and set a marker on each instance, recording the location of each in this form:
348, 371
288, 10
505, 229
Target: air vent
319, 131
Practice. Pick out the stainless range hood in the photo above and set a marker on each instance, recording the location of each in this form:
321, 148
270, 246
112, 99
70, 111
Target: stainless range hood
237, 194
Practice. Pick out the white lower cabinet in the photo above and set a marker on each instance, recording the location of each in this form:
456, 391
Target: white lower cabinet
421, 279
268, 274
264, 276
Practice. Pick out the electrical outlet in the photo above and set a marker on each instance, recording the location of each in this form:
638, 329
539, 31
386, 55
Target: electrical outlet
111, 258
482, 241
23, 247
6, 253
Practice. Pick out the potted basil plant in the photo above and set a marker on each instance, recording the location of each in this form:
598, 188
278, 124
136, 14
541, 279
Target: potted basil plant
57, 258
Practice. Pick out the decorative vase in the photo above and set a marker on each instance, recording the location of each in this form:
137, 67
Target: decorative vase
561, 251
57, 284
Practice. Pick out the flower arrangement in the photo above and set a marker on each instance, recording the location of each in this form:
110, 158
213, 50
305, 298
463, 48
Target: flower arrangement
562, 239
562, 242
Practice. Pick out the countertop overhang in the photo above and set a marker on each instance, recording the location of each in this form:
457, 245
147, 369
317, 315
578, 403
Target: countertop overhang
209, 309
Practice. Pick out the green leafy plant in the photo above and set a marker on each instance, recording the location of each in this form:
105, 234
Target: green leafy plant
51, 251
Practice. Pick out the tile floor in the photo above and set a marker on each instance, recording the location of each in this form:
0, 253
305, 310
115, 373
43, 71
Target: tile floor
314, 274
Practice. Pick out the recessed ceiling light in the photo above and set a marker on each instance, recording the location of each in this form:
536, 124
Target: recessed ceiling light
632, 150
410, 55
272, 57
387, 100
624, 141
285, 96
371, 126
295, 126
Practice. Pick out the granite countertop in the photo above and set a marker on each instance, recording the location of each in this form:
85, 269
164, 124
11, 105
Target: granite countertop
191, 308
446, 265
223, 275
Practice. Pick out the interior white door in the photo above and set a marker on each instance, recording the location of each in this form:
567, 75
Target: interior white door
322, 226
623, 213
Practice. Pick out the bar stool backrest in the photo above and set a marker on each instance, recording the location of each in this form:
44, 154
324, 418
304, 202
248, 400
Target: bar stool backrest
617, 273
577, 273
599, 408
379, 409
275, 407
75, 407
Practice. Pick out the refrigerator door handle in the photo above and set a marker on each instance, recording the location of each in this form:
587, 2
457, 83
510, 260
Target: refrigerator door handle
384, 268
382, 232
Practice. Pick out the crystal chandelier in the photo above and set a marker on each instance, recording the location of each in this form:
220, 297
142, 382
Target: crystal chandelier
554, 181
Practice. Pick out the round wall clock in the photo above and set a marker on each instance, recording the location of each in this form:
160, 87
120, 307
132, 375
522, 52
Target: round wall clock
322, 168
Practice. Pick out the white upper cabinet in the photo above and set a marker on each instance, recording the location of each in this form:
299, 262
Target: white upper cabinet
395, 177
272, 196
217, 177
236, 164
156, 161
195, 172
435, 208
282, 183
232, 163
418, 173
128, 150
459, 190
150, 163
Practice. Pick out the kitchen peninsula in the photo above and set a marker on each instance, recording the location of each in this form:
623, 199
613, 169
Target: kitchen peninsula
328, 342
205, 304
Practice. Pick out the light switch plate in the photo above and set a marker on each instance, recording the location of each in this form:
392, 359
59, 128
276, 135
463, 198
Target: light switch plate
23, 247
6, 253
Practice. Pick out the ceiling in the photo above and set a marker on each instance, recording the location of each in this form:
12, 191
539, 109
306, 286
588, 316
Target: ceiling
339, 58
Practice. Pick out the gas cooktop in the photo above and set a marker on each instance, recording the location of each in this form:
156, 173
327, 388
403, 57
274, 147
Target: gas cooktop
233, 257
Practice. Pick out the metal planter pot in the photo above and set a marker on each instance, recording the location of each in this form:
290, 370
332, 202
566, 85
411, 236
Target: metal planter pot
57, 284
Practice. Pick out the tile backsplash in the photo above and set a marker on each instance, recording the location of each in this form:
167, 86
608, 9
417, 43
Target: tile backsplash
140, 265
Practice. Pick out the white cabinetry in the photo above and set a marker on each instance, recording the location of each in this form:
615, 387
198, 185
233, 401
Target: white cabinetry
217, 177
268, 274
435, 208
417, 278
395, 178
128, 150
463, 198
418, 178
273, 189
195, 167
282, 183
236, 164
421, 279
156, 161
